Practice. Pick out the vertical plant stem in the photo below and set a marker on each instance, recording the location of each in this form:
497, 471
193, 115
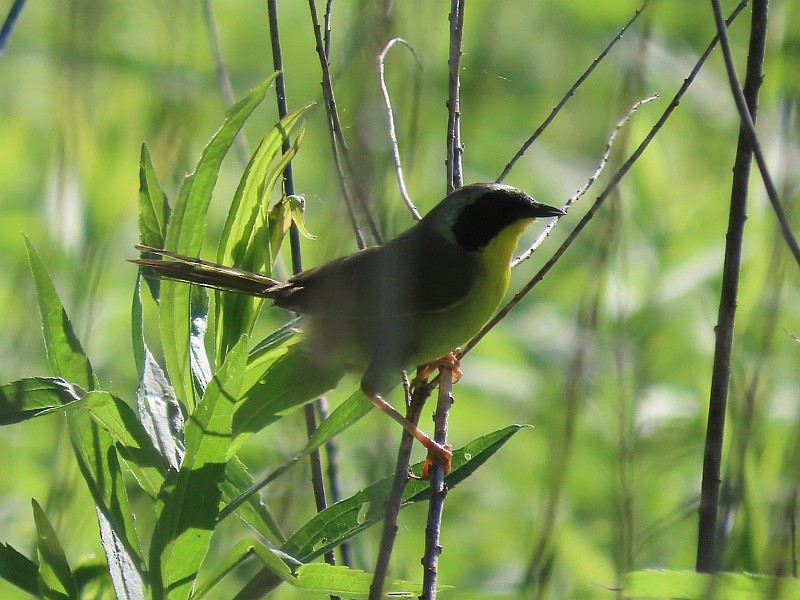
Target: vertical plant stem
341, 153
297, 263
455, 179
395, 497
708, 546
223, 79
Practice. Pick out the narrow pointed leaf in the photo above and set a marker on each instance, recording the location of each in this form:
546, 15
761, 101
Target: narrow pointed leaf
125, 577
55, 576
271, 558
153, 206
97, 459
132, 441
34, 397
64, 350
19, 570
345, 519
189, 501
253, 512
160, 413
332, 580
244, 241
184, 235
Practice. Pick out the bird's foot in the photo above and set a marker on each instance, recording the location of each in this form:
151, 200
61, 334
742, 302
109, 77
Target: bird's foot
449, 360
437, 454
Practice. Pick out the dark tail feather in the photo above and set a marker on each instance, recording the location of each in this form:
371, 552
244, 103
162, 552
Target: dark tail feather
200, 272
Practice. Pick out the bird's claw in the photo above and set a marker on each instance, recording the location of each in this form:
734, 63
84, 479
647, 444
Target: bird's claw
449, 360
437, 454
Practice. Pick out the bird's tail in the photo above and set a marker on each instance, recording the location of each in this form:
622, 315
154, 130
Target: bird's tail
201, 272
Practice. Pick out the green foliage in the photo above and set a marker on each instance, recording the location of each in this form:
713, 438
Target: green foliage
610, 358
182, 455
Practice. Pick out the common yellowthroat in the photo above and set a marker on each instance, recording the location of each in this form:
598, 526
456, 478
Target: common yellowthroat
405, 303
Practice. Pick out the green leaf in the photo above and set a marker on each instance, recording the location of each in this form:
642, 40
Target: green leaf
99, 465
297, 209
125, 576
243, 243
153, 212
278, 380
153, 205
55, 577
253, 511
351, 583
692, 585
137, 325
184, 235
272, 559
132, 441
160, 413
64, 350
93, 447
189, 502
348, 517
19, 570
36, 396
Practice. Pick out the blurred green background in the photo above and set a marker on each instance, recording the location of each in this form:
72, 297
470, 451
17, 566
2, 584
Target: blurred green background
610, 358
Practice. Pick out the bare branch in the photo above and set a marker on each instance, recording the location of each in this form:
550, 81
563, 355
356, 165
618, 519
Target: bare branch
708, 542
623, 170
570, 92
750, 130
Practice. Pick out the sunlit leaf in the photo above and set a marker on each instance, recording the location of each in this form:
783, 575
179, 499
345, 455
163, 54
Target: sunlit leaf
34, 397
348, 517
189, 501
18, 569
184, 235
55, 577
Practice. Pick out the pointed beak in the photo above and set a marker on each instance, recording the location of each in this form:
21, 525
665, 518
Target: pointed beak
540, 210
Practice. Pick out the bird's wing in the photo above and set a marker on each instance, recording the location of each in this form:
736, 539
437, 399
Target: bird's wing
417, 272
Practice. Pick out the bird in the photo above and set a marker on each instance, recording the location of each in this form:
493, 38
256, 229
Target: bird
402, 304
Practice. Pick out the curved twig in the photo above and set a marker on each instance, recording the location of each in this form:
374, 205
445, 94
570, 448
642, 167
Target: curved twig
580, 193
398, 169
621, 172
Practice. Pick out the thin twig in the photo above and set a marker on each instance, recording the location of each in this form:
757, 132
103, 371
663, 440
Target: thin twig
337, 160
395, 497
297, 263
455, 177
708, 544
8, 24
580, 193
570, 92
326, 19
332, 452
223, 78
343, 153
398, 169
617, 177
749, 128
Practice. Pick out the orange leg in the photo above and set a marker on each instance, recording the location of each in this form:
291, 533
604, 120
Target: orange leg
441, 454
448, 360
